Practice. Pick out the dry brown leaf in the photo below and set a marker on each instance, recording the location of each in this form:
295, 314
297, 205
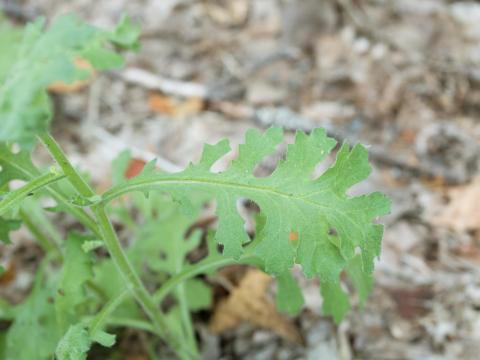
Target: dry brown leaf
249, 302
175, 108
463, 211
60, 87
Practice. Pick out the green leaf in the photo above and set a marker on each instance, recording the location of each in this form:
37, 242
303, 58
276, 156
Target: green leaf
76, 342
330, 225
6, 226
15, 165
74, 345
126, 34
48, 56
289, 295
10, 38
335, 300
104, 339
34, 332
363, 282
76, 272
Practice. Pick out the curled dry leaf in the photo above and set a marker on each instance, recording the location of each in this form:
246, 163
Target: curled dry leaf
249, 302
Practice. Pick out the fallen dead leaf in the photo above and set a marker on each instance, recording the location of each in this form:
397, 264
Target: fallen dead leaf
249, 302
176, 108
61, 87
462, 213
412, 303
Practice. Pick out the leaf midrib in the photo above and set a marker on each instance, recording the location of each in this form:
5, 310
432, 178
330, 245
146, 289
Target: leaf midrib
136, 185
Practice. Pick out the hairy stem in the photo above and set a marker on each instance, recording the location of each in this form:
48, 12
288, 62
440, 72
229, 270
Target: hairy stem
99, 320
73, 176
14, 198
109, 236
79, 213
193, 270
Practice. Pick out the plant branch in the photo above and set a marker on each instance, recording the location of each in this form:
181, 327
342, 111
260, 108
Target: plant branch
112, 244
79, 213
193, 270
16, 196
77, 181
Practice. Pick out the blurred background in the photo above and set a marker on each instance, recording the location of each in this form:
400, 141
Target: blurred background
400, 76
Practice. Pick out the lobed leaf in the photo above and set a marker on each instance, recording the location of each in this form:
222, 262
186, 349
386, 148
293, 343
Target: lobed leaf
329, 226
47, 56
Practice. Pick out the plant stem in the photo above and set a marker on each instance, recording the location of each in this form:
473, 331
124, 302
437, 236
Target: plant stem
109, 236
102, 316
80, 214
77, 181
185, 317
193, 270
15, 197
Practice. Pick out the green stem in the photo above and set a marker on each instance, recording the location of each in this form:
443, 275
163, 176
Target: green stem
15, 197
44, 240
112, 244
79, 213
193, 270
99, 320
183, 304
131, 323
77, 181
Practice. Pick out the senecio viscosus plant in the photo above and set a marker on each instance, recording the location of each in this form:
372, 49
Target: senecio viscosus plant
80, 293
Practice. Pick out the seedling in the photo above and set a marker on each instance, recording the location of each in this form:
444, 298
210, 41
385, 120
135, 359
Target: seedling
88, 283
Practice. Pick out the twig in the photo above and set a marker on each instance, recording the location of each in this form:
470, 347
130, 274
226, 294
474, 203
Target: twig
152, 81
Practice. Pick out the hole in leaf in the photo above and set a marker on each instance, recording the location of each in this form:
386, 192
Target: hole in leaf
247, 209
224, 162
322, 167
268, 164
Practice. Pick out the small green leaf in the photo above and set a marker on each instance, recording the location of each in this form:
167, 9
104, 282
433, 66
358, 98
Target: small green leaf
126, 34
70, 289
289, 295
91, 245
74, 345
104, 338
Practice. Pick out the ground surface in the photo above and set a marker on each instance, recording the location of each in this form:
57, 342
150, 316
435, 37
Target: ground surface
401, 76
